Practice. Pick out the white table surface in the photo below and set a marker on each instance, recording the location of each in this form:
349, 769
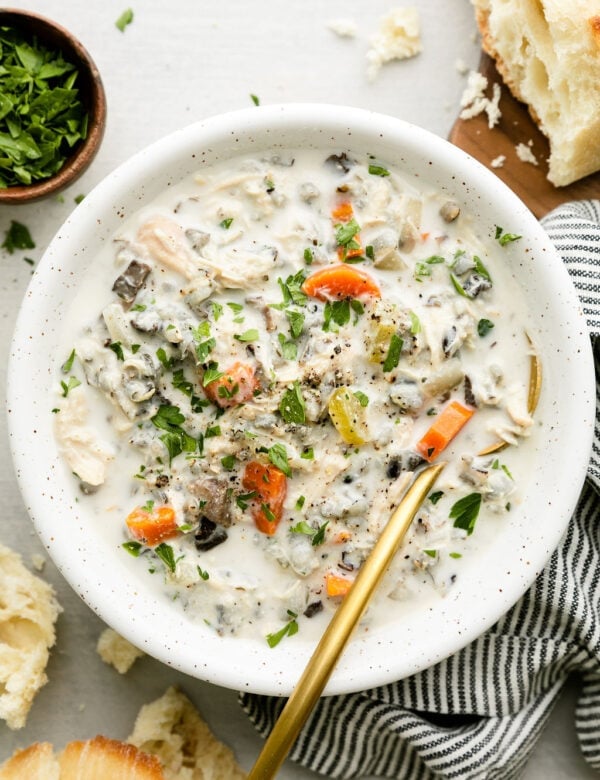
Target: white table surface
178, 62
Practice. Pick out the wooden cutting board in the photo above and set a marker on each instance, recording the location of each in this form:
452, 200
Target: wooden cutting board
516, 126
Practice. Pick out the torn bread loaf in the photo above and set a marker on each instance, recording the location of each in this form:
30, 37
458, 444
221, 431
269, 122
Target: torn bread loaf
172, 729
95, 759
548, 53
28, 612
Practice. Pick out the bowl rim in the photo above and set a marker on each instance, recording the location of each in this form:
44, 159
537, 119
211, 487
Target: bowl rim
85, 151
368, 661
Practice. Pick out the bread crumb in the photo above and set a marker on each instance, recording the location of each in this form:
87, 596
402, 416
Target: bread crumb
499, 161
474, 101
343, 28
38, 561
116, 651
461, 66
525, 154
28, 613
399, 38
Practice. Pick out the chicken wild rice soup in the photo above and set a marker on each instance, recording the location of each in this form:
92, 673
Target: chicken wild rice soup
260, 361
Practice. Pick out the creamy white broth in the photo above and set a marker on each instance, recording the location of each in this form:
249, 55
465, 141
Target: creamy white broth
237, 229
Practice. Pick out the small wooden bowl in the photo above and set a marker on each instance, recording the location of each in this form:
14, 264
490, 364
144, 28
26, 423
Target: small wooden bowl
91, 93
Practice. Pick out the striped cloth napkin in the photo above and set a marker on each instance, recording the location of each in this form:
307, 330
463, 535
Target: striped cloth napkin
479, 713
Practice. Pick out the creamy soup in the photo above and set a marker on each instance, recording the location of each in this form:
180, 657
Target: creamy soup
262, 359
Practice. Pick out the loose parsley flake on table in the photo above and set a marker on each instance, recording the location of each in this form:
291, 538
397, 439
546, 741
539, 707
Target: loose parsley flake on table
42, 117
17, 236
124, 20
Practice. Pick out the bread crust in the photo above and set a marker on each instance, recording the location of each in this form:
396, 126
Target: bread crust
538, 45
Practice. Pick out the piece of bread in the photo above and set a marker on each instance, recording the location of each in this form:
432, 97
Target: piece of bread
36, 762
115, 650
548, 53
107, 759
95, 759
28, 612
172, 729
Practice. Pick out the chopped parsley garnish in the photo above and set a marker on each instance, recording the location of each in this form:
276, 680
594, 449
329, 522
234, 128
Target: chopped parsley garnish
393, 356
255, 99
308, 453
378, 170
217, 310
435, 497
228, 462
505, 238
484, 327
415, 324
204, 575
497, 465
211, 374
211, 431
124, 20
226, 223
117, 348
338, 312
133, 548
481, 269
370, 252
167, 556
292, 408
290, 628
17, 236
268, 513
362, 399
422, 267
166, 361
169, 419
455, 555
465, 512
243, 498
148, 506
42, 116
317, 534
70, 385
279, 458
458, 286
345, 234
247, 335
308, 256
291, 290
296, 320
68, 364
79, 198
236, 308
300, 502
138, 307
431, 553
289, 350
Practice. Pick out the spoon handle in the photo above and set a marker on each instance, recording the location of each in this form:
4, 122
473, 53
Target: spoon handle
338, 632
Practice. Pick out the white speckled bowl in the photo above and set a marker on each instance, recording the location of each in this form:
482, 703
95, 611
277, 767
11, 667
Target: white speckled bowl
490, 583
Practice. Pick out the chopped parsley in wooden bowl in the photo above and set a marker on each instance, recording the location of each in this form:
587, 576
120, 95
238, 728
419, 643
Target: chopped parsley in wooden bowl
52, 107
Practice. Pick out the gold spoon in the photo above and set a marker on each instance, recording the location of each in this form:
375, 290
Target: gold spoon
336, 635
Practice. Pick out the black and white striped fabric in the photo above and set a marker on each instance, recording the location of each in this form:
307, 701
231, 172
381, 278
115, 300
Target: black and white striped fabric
479, 713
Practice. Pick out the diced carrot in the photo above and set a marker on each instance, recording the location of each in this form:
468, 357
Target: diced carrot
343, 212
236, 386
154, 526
342, 537
336, 585
270, 485
344, 253
446, 426
341, 281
